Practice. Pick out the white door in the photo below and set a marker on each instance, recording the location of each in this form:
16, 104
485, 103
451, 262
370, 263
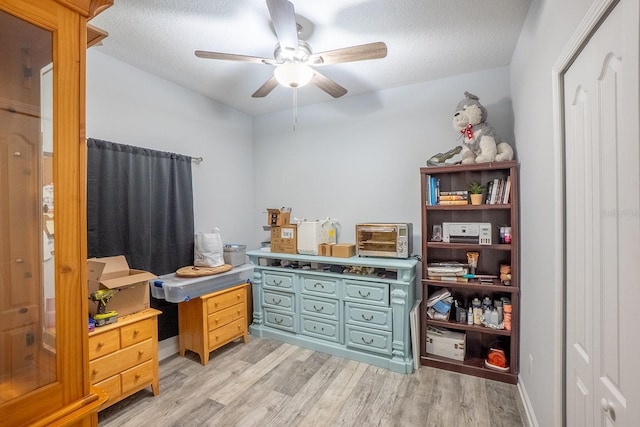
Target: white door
602, 167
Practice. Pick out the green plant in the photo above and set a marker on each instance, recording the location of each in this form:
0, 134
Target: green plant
476, 188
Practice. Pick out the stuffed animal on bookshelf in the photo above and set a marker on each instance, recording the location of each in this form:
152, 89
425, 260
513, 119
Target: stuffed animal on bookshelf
480, 142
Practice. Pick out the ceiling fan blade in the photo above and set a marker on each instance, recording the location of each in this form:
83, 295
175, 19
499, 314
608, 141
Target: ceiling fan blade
328, 85
349, 54
266, 88
233, 57
283, 16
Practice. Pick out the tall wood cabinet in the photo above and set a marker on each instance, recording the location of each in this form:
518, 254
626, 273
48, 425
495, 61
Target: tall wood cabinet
43, 309
478, 338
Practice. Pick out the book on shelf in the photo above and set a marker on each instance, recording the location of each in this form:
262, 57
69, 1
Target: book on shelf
494, 191
463, 193
432, 190
453, 202
456, 279
489, 188
507, 190
444, 197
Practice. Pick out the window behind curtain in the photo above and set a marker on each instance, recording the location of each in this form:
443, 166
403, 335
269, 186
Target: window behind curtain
140, 204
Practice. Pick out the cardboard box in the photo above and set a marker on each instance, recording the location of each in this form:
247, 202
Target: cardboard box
343, 250
324, 249
278, 217
446, 343
131, 286
284, 239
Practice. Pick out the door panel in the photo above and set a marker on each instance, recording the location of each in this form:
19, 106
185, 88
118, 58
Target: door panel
603, 224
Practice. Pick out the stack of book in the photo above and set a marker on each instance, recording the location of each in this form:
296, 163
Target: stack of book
498, 191
453, 197
448, 271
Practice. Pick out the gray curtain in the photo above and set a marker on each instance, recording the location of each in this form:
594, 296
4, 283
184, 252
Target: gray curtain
140, 204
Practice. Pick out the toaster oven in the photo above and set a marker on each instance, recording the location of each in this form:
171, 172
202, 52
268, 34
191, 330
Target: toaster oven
384, 240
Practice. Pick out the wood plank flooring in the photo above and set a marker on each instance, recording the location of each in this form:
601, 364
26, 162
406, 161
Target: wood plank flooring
270, 383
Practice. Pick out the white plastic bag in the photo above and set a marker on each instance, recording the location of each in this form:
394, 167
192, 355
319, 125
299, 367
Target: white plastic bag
209, 249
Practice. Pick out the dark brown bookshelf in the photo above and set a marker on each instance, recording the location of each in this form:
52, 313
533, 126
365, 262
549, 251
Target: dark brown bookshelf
478, 338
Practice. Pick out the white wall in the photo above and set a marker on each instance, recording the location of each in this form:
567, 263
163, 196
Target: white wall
130, 106
357, 159
547, 30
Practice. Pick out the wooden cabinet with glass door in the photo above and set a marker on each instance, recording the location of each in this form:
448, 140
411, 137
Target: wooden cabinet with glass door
43, 322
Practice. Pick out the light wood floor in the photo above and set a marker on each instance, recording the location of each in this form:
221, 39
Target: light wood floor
269, 383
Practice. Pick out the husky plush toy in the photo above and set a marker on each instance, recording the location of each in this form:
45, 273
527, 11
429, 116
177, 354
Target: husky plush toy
480, 143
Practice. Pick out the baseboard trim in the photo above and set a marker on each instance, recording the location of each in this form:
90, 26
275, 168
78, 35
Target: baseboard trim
526, 403
168, 347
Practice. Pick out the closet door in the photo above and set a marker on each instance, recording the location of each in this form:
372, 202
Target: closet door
603, 224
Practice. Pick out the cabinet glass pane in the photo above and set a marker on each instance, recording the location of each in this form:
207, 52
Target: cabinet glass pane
27, 283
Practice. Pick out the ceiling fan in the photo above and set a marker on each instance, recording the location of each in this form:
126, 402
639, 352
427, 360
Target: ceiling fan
293, 57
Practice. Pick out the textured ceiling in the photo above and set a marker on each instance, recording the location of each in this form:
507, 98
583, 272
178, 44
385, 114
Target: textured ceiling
426, 40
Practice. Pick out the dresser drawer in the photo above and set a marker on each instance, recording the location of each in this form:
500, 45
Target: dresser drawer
368, 316
278, 281
104, 343
371, 340
275, 319
319, 286
366, 292
225, 300
321, 328
136, 332
136, 376
318, 306
225, 333
222, 317
112, 387
115, 362
279, 300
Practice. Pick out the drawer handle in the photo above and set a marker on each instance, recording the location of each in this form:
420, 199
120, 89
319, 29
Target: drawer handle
238, 296
100, 344
315, 329
364, 295
369, 319
94, 372
136, 332
318, 285
279, 322
367, 343
318, 309
277, 283
137, 376
140, 352
273, 300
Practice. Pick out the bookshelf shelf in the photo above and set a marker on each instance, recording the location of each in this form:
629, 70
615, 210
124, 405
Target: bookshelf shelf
478, 338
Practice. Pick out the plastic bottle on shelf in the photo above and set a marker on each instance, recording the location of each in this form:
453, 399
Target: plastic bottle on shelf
477, 311
498, 305
507, 315
470, 316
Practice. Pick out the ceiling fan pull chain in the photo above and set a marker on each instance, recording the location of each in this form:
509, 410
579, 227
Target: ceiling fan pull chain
295, 107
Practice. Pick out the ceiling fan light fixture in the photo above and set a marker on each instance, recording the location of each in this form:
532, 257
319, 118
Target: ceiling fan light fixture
293, 74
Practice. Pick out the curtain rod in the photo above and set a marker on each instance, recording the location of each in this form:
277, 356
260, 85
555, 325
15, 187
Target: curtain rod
197, 160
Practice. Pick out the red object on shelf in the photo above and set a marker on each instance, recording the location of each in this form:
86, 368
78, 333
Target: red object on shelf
496, 357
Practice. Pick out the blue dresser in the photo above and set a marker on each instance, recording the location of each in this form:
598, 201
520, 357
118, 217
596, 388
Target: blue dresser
356, 308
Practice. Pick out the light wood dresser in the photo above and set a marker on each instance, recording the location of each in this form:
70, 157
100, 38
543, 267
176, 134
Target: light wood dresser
123, 356
213, 320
